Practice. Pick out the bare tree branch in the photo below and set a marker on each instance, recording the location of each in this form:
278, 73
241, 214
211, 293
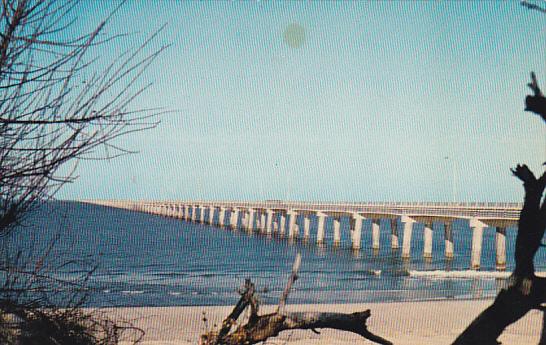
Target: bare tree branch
537, 102
57, 104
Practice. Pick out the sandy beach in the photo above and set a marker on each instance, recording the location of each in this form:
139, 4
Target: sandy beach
410, 323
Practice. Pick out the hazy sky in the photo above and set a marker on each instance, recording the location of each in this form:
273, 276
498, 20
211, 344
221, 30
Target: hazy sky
361, 101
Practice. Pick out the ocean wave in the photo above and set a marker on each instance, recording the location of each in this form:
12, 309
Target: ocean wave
464, 274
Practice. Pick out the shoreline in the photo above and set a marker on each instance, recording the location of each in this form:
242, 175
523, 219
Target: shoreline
404, 323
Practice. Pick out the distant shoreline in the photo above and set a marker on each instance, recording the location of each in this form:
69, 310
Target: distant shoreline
404, 323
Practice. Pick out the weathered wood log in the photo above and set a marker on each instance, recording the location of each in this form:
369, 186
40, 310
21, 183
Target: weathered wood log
270, 325
261, 327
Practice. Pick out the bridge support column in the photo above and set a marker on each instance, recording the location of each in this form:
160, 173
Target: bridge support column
250, 220
185, 212
282, 223
292, 224
234, 218
193, 213
256, 222
337, 231
406, 239
222, 216
320, 228
244, 219
306, 228
202, 215
477, 238
427, 241
262, 221
375, 234
394, 234
356, 232
211, 215
269, 226
500, 248
448, 240
180, 212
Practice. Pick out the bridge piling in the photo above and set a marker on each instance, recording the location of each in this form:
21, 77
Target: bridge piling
250, 220
337, 231
282, 223
448, 240
193, 214
320, 228
306, 228
202, 215
500, 248
477, 239
406, 239
375, 234
234, 218
222, 216
211, 215
262, 221
270, 215
357, 231
427, 241
394, 234
292, 224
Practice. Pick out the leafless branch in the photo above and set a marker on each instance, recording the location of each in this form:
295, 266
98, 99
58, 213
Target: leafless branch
57, 104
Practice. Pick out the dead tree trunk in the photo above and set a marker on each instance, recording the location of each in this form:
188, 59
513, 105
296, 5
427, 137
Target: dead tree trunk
526, 291
261, 327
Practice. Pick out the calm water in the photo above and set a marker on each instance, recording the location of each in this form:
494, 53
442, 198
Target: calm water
146, 260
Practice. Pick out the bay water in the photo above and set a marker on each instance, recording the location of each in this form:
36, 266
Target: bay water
148, 260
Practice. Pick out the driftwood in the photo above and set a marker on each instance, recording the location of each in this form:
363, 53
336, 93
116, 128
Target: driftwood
261, 327
526, 291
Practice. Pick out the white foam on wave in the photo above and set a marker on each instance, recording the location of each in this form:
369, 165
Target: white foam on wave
132, 292
465, 274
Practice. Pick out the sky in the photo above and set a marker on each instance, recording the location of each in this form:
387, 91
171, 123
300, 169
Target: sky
327, 101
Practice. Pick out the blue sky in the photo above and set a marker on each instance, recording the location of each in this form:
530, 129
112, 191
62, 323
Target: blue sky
394, 101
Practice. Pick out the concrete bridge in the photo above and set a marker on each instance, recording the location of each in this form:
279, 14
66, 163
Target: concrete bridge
281, 218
